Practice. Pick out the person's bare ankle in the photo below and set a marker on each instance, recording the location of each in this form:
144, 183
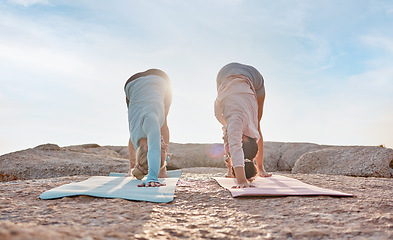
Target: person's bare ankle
162, 174
229, 174
262, 172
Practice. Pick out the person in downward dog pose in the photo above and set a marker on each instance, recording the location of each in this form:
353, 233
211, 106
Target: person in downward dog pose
239, 108
148, 98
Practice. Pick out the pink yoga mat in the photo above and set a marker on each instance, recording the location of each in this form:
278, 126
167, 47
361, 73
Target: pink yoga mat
277, 185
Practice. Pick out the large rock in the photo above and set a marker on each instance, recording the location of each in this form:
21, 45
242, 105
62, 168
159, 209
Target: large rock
196, 155
272, 155
279, 156
49, 160
95, 149
351, 161
121, 150
292, 151
182, 155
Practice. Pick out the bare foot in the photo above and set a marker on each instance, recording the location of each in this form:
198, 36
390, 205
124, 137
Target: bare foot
229, 174
162, 173
252, 179
263, 173
129, 174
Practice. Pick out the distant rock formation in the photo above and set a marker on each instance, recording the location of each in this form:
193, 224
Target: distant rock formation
280, 156
356, 161
196, 155
50, 160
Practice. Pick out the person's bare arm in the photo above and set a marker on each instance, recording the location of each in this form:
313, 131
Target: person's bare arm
234, 133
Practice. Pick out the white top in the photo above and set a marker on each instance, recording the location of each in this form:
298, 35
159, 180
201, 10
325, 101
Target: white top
236, 108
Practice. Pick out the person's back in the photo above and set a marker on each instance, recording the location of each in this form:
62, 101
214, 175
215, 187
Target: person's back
249, 71
236, 104
146, 95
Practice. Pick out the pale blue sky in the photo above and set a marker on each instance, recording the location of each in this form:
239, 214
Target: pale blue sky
327, 67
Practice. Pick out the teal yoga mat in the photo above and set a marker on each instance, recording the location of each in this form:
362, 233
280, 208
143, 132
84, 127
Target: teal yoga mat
118, 186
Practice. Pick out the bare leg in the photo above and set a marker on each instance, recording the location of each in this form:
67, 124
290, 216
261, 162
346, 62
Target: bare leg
162, 173
228, 163
165, 132
164, 152
259, 160
259, 157
131, 153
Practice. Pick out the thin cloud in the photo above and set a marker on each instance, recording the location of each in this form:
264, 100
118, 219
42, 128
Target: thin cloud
28, 3
383, 42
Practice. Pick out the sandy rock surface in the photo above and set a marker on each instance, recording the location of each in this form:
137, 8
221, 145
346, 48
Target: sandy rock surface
201, 210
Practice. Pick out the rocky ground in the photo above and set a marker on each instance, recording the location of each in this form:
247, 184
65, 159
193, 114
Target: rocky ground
201, 210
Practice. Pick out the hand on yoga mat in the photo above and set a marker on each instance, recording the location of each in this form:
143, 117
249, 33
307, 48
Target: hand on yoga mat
151, 184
